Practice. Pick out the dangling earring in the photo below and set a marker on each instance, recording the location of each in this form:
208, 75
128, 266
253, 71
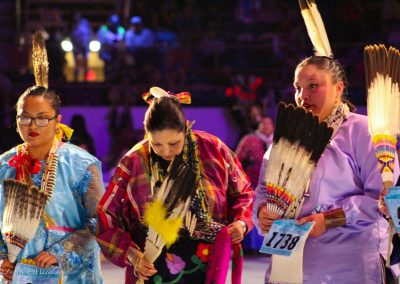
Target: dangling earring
337, 100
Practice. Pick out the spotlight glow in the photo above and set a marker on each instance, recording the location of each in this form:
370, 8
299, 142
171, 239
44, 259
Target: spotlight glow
94, 45
66, 45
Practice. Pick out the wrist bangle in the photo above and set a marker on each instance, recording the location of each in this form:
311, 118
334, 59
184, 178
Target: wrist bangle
243, 225
334, 218
135, 258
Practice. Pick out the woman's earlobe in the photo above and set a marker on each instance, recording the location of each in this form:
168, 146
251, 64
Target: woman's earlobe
340, 88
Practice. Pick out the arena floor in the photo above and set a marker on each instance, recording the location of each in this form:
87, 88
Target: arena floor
253, 271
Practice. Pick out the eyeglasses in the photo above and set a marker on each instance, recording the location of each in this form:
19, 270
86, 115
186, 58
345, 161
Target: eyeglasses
39, 121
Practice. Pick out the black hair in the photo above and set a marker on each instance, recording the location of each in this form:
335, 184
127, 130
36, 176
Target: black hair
78, 123
334, 68
39, 91
328, 64
164, 113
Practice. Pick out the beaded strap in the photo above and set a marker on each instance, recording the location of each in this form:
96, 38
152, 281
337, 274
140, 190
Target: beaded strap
48, 182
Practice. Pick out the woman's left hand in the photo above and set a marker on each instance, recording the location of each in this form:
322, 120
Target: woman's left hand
44, 259
381, 202
319, 226
236, 231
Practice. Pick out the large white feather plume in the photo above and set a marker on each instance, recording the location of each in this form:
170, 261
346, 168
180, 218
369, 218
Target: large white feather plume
383, 77
299, 140
382, 73
23, 209
315, 28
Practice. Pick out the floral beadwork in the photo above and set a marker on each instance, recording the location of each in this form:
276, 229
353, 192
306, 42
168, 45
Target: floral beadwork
203, 252
175, 263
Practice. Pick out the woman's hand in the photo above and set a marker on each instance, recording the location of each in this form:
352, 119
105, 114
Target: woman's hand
143, 268
381, 202
7, 269
266, 218
44, 259
236, 231
319, 226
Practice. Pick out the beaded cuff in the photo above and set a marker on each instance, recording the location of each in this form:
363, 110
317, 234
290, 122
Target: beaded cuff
334, 218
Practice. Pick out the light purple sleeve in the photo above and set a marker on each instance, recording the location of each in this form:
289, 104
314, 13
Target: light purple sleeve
361, 208
346, 176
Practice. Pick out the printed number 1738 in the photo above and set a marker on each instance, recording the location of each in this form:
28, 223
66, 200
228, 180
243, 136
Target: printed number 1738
282, 241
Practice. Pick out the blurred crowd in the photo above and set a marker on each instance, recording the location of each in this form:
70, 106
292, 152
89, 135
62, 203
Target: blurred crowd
227, 53
210, 46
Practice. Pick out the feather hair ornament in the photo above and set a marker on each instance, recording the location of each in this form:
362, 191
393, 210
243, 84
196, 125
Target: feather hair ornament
315, 28
41, 71
168, 211
383, 104
298, 143
23, 209
39, 60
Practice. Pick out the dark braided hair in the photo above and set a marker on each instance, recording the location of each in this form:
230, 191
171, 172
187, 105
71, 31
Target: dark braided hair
333, 67
164, 113
39, 91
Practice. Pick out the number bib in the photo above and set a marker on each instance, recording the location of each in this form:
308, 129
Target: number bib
285, 236
392, 200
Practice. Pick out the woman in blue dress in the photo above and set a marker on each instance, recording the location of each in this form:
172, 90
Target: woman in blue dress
64, 240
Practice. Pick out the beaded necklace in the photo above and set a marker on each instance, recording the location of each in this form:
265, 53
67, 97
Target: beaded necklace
206, 227
338, 114
49, 175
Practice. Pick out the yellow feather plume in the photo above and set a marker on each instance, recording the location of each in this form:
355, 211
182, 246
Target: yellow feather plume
40, 61
166, 226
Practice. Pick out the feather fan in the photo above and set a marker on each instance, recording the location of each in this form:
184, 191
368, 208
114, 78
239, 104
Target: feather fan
315, 28
169, 211
383, 78
39, 60
23, 209
298, 143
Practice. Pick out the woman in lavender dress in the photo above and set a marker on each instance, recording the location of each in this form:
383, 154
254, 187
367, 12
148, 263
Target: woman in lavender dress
349, 240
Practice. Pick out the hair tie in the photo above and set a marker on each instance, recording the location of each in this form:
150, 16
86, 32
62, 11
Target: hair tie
157, 92
65, 132
184, 98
